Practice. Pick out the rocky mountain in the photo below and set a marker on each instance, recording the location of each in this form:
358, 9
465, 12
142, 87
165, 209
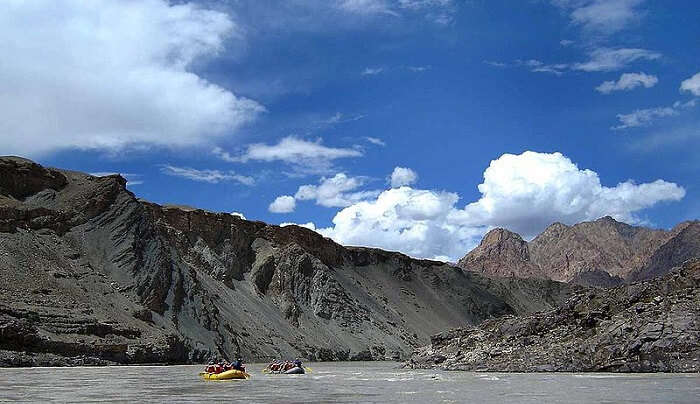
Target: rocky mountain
684, 245
501, 253
603, 252
90, 274
649, 326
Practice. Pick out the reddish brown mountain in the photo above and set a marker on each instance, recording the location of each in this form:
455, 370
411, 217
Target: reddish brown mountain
501, 253
601, 252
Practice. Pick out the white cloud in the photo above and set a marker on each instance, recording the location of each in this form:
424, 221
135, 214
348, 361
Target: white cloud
308, 225
688, 104
643, 117
606, 59
628, 81
367, 7
607, 16
409, 220
438, 11
419, 69
602, 17
238, 214
371, 71
540, 67
692, 84
210, 176
566, 42
110, 74
600, 59
527, 192
339, 117
283, 204
557, 69
335, 191
375, 140
307, 157
402, 176
524, 193
495, 63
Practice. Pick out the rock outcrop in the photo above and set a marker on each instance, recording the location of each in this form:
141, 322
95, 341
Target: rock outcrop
603, 252
649, 326
89, 274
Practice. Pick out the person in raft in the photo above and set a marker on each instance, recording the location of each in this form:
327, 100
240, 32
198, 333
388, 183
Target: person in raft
297, 363
238, 365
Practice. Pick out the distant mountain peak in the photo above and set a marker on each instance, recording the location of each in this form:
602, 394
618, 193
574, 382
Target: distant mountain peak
569, 253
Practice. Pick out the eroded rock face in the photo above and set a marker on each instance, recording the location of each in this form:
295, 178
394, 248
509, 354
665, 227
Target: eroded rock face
89, 274
650, 326
603, 252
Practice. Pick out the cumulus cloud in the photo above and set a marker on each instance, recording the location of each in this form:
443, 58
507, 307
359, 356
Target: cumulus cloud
238, 214
210, 176
413, 221
308, 157
628, 81
643, 117
110, 74
524, 193
692, 84
527, 192
402, 176
335, 191
607, 59
283, 204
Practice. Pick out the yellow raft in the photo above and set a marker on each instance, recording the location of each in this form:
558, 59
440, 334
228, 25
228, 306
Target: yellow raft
227, 375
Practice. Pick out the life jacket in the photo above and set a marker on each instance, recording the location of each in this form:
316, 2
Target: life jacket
210, 369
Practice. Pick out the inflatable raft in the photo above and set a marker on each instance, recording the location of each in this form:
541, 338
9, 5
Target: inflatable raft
227, 375
295, 371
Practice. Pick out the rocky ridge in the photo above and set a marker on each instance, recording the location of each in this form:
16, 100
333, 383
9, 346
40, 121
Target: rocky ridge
92, 275
649, 326
603, 252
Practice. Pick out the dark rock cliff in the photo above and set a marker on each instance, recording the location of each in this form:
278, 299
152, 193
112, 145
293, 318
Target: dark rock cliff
650, 326
90, 274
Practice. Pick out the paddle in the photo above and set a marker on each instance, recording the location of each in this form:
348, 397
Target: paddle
308, 370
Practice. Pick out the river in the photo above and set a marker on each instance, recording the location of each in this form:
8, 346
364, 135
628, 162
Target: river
340, 382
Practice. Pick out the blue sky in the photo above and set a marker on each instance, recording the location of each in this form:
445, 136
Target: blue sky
488, 113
